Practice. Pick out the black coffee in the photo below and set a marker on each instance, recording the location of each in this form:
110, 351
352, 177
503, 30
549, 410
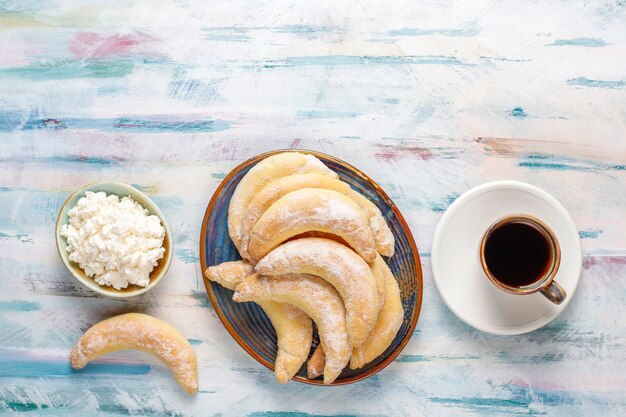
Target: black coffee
517, 254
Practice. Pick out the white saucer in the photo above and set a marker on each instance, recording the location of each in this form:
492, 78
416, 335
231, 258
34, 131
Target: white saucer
456, 266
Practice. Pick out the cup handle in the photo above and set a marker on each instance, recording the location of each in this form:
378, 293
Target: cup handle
554, 292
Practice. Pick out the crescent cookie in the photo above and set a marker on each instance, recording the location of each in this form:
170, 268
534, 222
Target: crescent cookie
386, 328
339, 266
312, 209
383, 237
140, 332
315, 297
315, 364
229, 274
378, 271
268, 170
294, 329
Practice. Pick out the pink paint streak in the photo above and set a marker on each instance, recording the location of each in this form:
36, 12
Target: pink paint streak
548, 385
394, 153
93, 45
604, 261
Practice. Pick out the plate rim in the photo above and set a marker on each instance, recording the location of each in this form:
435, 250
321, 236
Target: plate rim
498, 185
415, 254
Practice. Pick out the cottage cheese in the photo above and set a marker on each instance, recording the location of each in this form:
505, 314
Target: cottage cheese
114, 241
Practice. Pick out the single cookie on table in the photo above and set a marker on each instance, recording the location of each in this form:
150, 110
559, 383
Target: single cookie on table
294, 329
264, 172
312, 209
383, 237
315, 297
339, 266
140, 332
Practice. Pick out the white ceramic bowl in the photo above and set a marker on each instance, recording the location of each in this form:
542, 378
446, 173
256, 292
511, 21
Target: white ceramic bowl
120, 190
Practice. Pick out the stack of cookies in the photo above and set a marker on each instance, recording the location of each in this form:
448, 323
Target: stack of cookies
311, 249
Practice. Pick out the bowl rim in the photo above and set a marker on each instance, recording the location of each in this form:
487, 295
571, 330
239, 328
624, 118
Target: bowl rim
396, 211
89, 282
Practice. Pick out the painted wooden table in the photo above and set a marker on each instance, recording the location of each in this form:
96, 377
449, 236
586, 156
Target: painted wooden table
429, 98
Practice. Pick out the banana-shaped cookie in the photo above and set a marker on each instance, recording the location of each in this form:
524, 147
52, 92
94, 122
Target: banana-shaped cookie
273, 191
264, 172
315, 365
378, 270
140, 332
315, 297
387, 326
338, 265
229, 274
312, 209
294, 329
383, 236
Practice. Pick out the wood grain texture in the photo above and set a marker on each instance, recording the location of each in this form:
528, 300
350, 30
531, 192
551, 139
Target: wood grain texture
428, 98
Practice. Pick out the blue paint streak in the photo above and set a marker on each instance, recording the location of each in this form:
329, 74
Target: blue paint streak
10, 121
589, 234
586, 42
109, 90
556, 398
341, 60
307, 31
493, 58
35, 369
194, 342
89, 160
142, 125
518, 112
326, 114
19, 306
71, 69
586, 82
226, 34
412, 358
51, 124
469, 31
192, 90
187, 256
22, 406
22, 237
300, 414
540, 161
506, 406
422, 358
218, 175
517, 358
442, 206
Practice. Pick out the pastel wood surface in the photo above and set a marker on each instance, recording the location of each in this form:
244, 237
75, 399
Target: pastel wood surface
428, 98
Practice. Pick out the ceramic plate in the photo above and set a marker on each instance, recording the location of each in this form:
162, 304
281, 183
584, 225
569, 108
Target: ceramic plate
248, 324
456, 266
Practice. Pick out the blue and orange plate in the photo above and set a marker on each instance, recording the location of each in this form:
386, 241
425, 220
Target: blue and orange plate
248, 324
